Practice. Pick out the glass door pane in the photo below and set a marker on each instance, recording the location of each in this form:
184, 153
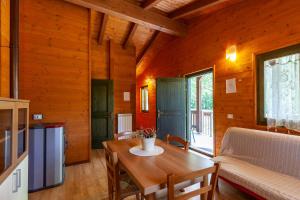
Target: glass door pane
22, 131
6, 124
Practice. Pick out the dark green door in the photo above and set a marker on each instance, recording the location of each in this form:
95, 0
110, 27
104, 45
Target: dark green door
102, 112
171, 107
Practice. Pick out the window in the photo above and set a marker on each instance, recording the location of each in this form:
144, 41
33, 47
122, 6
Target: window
144, 99
278, 85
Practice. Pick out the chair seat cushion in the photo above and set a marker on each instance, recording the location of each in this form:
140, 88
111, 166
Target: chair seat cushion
264, 182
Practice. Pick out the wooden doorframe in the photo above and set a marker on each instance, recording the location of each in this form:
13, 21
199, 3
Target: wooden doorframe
192, 74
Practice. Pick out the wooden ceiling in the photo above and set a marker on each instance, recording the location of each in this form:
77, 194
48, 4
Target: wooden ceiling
138, 22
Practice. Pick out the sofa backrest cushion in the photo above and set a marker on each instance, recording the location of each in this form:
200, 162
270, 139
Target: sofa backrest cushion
274, 151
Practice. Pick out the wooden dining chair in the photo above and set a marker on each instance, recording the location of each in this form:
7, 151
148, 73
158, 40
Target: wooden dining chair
120, 185
205, 190
172, 138
125, 135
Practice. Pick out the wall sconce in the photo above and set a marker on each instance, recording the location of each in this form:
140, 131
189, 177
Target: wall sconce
231, 53
149, 80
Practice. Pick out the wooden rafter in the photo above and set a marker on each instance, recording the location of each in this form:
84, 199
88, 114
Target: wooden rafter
131, 30
132, 26
103, 23
150, 3
194, 7
147, 46
134, 13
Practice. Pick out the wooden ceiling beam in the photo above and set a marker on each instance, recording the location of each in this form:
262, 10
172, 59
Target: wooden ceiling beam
136, 14
146, 47
132, 26
150, 3
103, 23
130, 33
194, 7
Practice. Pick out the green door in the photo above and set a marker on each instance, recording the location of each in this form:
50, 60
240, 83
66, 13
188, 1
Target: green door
171, 107
102, 112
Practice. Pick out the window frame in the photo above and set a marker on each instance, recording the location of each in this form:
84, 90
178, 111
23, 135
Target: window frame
260, 59
142, 100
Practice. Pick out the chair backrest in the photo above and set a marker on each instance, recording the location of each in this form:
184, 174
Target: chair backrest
206, 189
111, 159
125, 135
172, 138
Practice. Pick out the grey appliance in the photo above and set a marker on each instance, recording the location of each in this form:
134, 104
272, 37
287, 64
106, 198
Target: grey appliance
46, 156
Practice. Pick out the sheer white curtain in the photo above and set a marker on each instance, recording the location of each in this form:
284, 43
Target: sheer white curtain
282, 91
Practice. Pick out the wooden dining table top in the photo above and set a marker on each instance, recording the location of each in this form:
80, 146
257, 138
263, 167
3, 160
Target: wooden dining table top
150, 173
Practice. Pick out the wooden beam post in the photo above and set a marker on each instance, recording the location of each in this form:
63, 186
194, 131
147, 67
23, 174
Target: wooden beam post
136, 14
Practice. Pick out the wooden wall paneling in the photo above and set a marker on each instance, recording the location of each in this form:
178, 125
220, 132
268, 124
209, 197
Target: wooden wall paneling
251, 25
116, 29
4, 48
54, 68
123, 64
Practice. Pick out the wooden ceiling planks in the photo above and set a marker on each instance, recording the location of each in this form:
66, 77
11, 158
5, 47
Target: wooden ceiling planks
170, 5
134, 13
200, 7
141, 37
127, 33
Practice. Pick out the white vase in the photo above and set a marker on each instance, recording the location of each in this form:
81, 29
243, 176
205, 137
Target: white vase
148, 144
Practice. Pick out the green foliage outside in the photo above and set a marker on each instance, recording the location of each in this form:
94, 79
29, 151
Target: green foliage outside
206, 92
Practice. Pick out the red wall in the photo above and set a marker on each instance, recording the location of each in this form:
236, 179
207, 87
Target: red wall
255, 26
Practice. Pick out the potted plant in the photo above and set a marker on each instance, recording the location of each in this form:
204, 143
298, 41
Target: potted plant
148, 139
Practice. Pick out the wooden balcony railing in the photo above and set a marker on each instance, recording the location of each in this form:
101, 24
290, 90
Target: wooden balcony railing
202, 121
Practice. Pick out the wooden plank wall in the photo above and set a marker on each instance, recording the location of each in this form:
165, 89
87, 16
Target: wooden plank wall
255, 26
57, 48
54, 72
111, 61
4, 48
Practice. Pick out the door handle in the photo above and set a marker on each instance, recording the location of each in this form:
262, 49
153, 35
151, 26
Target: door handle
159, 113
19, 178
14, 182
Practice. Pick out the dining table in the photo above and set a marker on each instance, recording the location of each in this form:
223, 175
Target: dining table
150, 173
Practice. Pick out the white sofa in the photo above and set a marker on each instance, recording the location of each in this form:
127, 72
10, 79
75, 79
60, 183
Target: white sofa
265, 164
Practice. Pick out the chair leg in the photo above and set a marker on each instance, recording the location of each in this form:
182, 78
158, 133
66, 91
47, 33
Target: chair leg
137, 196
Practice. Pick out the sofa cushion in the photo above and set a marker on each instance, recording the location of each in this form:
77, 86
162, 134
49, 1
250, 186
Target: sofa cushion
264, 182
274, 151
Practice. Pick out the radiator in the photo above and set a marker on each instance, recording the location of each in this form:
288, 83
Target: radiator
124, 122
